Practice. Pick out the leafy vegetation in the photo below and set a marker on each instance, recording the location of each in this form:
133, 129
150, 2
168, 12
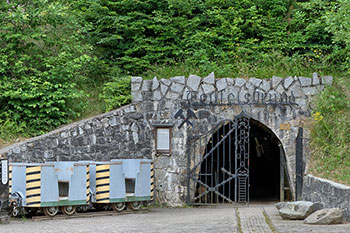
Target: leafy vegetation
331, 133
61, 60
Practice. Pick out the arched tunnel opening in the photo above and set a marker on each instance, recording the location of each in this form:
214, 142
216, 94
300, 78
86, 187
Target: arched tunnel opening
264, 163
216, 178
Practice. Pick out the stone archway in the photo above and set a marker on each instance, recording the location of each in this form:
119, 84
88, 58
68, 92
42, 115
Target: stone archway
218, 169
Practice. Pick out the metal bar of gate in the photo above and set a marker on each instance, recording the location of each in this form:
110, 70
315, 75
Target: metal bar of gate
229, 160
281, 173
236, 153
211, 150
223, 164
189, 175
212, 169
299, 165
206, 167
217, 163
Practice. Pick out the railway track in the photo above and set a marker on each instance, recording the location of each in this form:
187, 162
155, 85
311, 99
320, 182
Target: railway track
87, 215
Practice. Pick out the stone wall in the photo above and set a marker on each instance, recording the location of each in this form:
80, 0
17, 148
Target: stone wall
123, 133
128, 132
329, 193
167, 96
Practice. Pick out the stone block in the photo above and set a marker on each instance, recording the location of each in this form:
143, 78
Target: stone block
315, 79
178, 79
5, 219
297, 210
155, 83
157, 95
136, 97
249, 85
230, 81
136, 79
210, 79
193, 82
304, 82
309, 91
208, 88
186, 95
239, 82
275, 81
172, 95
296, 89
288, 81
280, 88
136, 83
266, 85
255, 81
325, 217
166, 82
147, 85
221, 84
177, 87
163, 88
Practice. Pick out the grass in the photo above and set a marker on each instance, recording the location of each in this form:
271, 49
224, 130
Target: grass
263, 67
269, 222
330, 141
239, 223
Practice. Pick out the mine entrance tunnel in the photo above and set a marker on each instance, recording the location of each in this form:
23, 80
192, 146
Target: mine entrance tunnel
217, 183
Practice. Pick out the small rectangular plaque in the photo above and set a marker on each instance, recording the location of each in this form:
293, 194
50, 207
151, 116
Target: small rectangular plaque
163, 138
3, 170
285, 126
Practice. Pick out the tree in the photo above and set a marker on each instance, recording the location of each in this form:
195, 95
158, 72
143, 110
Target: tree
43, 56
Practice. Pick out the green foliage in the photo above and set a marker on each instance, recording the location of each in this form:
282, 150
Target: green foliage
42, 59
136, 35
331, 133
338, 23
116, 93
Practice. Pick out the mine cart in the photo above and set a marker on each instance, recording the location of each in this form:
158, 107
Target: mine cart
48, 186
137, 176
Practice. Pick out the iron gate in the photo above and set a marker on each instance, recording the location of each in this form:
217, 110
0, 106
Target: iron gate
218, 167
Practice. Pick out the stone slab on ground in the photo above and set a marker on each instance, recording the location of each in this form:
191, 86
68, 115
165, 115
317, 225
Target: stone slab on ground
297, 210
326, 217
297, 226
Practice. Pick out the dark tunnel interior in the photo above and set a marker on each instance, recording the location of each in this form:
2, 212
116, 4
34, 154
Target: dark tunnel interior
218, 169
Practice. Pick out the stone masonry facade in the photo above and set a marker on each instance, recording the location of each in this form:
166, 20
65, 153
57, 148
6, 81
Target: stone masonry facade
128, 132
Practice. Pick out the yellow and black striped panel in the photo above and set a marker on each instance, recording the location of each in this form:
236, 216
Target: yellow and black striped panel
87, 182
152, 181
10, 180
102, 183
33, 184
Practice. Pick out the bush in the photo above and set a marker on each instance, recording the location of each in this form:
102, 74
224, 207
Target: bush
116, 93
43, 57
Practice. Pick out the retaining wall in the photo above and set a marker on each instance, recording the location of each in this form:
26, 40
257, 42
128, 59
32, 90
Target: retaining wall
329, 193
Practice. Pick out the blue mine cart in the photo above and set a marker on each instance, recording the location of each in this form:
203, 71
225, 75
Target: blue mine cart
66, 185
121, 182
48, 186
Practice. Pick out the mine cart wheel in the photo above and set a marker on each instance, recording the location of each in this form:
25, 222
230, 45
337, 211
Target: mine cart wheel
118, 206
15, 211
69, 209
145, 203
50, 211
136, 205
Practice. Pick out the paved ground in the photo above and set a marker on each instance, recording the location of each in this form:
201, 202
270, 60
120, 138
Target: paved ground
220, 219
